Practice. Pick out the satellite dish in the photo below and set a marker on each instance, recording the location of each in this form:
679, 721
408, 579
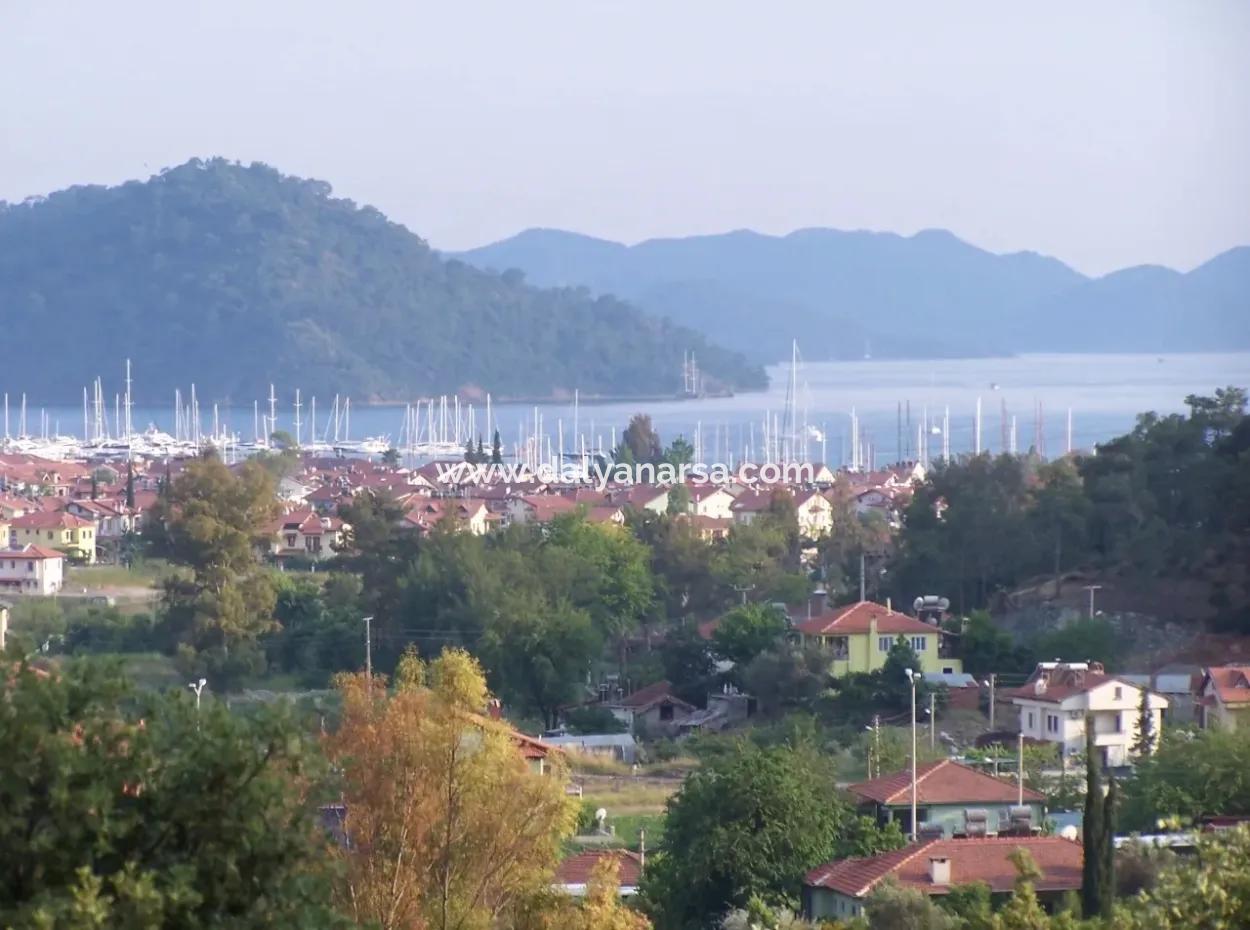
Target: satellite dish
1068, 832
601, 814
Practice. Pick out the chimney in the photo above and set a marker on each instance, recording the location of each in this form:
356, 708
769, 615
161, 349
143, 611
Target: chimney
939, 870
494, 709
888, 604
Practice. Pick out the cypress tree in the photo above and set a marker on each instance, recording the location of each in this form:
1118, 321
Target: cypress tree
1093, 868
1144, 743
130, 486
1108, 846
496, 450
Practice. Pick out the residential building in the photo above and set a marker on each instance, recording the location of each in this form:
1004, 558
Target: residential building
652, 710
619, 746
31, 569
946, 792
1223, 699
538, 508
75, 536
307, 534
709, 500
838, 890
1058, 697
573, 874
859, 638
814, 513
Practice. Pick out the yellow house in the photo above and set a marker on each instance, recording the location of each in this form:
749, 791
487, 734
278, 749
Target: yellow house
859, 638
72, 535
1224, 698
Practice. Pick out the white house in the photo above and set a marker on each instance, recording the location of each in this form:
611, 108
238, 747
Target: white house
709, 500
1058, 697
814, 513
31, 570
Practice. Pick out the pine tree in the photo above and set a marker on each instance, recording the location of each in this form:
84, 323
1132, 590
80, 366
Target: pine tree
1144, 744
496, 450
130, 487
481, 453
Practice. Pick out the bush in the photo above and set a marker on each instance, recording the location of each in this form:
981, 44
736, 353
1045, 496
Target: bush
593, 719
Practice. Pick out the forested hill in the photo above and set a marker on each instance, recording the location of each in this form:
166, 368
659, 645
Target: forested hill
235, 276
844, 293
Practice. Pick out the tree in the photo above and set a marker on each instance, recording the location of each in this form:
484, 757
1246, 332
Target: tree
214, 521
688, 663
130, 487
1210, 890
642, 441
746, 631
496, 450
893, 907
750, 824
678, 499
601, 908
1189, 775
1098, 833
1144, 741
126, 809
390, 457
538, 653
679, 452
449, 827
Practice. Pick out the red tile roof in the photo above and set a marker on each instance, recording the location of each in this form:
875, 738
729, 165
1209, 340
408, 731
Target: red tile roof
47, 520
1063, 682
577, 868
857, 618
652, 694
941, 782
984, 859
1230, 682
31, 552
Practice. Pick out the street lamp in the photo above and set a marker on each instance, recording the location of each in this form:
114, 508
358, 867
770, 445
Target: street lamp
198, 688
912, 679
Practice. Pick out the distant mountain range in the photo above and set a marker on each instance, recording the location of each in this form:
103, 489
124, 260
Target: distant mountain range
847, 294
233, 277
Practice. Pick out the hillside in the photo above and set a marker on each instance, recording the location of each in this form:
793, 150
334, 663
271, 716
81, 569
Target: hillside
236, 276
931, 294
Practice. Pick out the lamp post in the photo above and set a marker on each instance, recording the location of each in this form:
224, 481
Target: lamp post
198, 688
912, 679
368, 655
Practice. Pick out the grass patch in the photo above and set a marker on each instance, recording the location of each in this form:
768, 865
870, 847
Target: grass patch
629, 796
145, 574
152, 670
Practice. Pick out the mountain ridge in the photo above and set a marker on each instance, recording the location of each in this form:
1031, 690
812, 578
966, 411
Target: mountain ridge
927, 294
236, 276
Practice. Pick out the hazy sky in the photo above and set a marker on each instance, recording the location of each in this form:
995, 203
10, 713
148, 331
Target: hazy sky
1105, 133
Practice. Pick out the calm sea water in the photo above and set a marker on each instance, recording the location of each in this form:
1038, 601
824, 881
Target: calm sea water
1104, 392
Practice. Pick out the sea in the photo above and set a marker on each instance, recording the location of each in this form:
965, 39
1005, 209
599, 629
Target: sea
895, 404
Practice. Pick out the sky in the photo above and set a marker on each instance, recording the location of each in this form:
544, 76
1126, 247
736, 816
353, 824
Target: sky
1106, 134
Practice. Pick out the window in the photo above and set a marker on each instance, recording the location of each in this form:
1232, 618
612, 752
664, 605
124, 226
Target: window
1031, 720
1119, 693
666, 711
30, 566
1118, 719
884, 643
1052, 723
841, 647
918, 643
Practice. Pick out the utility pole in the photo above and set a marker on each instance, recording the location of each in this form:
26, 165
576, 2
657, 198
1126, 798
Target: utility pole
992, 677
932, 720
1091, 588
1020, 769
862, 578
912, 679
368, 655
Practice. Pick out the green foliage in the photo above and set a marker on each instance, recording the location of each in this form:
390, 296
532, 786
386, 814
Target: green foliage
214, 521
1209, 891
893, 907
749, 825
688, 664
986, 649
1146, 738
592, 719
746, 631
257, 277
1189, 775
124, 810
319, 628
1084, 639
787, 676
1098, 834
640, 443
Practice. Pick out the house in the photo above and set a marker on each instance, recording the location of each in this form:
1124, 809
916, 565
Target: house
838, 890
750, 504
112, 519
1058, 697
1223, 698
709, 500
652, 710
859, 638
307, 534
538, 508
814, 512
469, 514
946, 792
709, 529
645, 497
11, 506
573, 874
73, 535
31, 569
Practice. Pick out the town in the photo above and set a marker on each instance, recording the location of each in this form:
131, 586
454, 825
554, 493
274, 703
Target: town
659, 633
